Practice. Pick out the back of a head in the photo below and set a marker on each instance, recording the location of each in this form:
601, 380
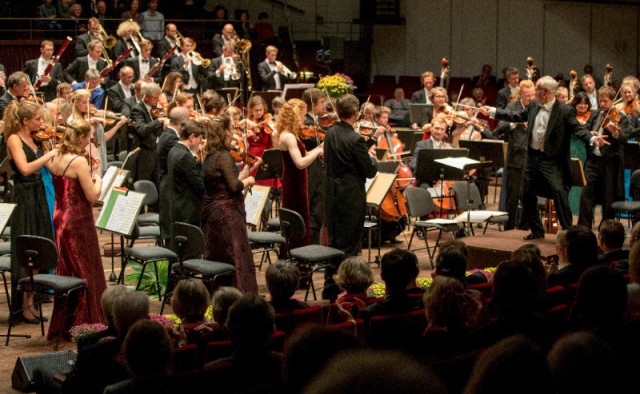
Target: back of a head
444, 303
530, 256
222, 300
309, 350
513, 365
354, 275
601, 300
612, 234
128, 309
251, 322
282, 280
108, 299
582, 246
582, 363
190, 300
516, 291
147, 348
452, 260
398, 268
368, 371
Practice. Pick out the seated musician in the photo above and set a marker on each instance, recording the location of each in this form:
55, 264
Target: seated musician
630, 104
83, 40
472, 126
127, 38
276, 106
64, 91
438, 97
35, 69
273, 73
121, 90
172, 84
562, 94
212, 103
225, 71
92, 83
438, 129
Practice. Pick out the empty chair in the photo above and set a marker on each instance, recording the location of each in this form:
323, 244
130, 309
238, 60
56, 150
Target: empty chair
631, 208
147, 218
468, 198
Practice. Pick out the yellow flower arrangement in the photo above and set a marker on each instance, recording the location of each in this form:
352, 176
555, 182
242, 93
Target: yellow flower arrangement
336, 85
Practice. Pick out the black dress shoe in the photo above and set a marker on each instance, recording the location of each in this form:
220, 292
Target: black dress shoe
533, 236
395, 241
35, 320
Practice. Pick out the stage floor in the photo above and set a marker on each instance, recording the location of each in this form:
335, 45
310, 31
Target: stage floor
491, 249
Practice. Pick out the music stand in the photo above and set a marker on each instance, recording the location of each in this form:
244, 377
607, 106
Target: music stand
409, 138
428, 170
271, 167
295, 90
485, 151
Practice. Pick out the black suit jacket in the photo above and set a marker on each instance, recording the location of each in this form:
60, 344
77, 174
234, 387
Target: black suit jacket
420, 145
163, 47
76, 70
4, 102
121, 47
503, 97
56, 74
218, 42
419, 97
168, 139
562, 124
96, 368
135, 64
615, 147
185, 184
218, 82
146, 130
127, 106
517, 137
268, 76
82, 44
177, 64
116, 97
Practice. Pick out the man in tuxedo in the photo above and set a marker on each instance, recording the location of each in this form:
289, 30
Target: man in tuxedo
604, 167
220, 39
168, 139
589, 87
191, 73
135, 99
272, 72
3, 77
225, 70
163, 47
550, 125
142, 64
17, 86
35, 70
76, 71
512, 76
83, 40
422, 96
185, 182
121, 90
518, 139
145, 133
438, 132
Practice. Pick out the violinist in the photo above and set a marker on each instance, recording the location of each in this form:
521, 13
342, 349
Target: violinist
64, 91
469, 127
440, 106
630, 105
147, 129
260, 131
35, 69
212, 102
562, 95
173, 83
121, 90
276, 107
92, 83
604, 167
584, 114
17, 86
183, 100
295, 161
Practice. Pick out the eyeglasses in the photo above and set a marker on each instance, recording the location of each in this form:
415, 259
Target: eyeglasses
440, 96
540, 89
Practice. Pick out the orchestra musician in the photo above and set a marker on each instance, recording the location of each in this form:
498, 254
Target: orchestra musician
135, 99
348, 166
167, 42
437, 141
423, 95
273, 73
184, 64
64, 91
143, 63
589, 87
35, 69
76, 70
227, 36
212, 103
127, 38
172, 84
83, 40
182, 99
295, 161
512, 76
438, 98
92, 83
550, 125
260, 133
604, 167
630, 104
562, 95
145, 132
121, 90
17, 86
225, 71
471, 129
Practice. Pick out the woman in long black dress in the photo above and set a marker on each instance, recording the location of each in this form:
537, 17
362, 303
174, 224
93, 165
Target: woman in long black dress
31, 215
223, 213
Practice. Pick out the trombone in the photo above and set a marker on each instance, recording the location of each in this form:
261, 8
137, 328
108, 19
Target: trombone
179, 38
108, 41
197, 59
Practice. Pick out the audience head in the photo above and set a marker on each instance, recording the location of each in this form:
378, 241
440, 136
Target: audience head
561, 246
530, 256
513, 365
147, 348
282, 279
634, 263
399, 268
309, 350
128, 309
452, 260
582, 246
250, 323
190, 300
354, 275
444, 302
369, 371
611, 235
222, 300
108, 299
601, 300
516, 290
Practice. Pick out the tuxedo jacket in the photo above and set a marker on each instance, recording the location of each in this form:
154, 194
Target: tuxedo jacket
146, 130
185, 185
423, 144
121, 47
4, 102
268, 76
82, 44
135, 64
218, 42
177, 64
503, 97
615, 147
76, 70
116, 97
56, 74
127, 106
517, 138
419, 97
163, 47
218, 82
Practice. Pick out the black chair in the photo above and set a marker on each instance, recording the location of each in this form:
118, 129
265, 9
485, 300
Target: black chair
150, 200
187, 241
5, 268
631, 208
40, 254
265, 242
318, 257
420, 205
467, 197
144, 256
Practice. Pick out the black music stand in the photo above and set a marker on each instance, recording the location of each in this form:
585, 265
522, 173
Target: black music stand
271, 168
427, 170
409, 139
485, 151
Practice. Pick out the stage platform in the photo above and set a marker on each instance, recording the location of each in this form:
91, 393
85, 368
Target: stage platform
494, 247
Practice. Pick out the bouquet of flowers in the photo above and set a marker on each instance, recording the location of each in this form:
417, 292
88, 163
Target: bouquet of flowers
337, 84
85, 329
164, 321
175, 320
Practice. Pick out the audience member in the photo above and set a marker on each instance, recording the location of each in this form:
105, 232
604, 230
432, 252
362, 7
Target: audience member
399, 106
152, 22
530, 256
452, 262
633, 288
282, 282
223, 299
107, 301
610, 239
354, 278
582, 253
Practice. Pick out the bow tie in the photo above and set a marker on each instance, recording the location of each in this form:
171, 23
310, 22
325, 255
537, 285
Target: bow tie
145, 60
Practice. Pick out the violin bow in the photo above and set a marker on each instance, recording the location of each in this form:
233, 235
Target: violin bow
315, 119
326, 92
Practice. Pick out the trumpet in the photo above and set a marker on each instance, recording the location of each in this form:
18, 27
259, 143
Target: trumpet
286, 71
235, 74
197, 59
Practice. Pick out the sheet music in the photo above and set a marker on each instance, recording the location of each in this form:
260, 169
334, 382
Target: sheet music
113, 177
5, 213
124, 213
456, 162
369, 182
478, 216
253, 206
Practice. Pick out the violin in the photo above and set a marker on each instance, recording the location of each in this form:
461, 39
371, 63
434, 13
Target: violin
584, 117
629, 107
613, 117
46, 133
245, 156
309, 132
266, 125
327, 119
93, 161
108, 116
366, 128
159, 112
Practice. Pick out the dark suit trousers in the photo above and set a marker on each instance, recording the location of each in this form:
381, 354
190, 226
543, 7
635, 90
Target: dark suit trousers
147, 166
543, 176
346, 208
512, 186
601, 176
317, 174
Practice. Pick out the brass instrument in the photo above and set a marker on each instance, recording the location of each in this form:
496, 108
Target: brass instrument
286, 71
235, 75
242, 45
108, 41
179, 38
197, 59
243, 48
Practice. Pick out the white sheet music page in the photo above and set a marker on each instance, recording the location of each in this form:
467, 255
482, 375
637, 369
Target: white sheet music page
5, 213
124, 213
456, 162
253, 206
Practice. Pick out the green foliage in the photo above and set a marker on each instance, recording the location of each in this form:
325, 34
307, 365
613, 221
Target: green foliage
148, 283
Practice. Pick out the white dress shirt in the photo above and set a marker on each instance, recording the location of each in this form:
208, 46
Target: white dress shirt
276, 76
93, 64
126, 89
143, 66
540, 126
42, 65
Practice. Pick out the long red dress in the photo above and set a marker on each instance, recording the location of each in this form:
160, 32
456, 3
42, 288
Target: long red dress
295, 192
257, 145
79, 256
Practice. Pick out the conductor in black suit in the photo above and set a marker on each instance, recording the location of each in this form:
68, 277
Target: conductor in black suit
225, 71
272, 72
604, 167
512, 76
186, 185
76, 71
349, 164
35, 69
546, 172
145, 133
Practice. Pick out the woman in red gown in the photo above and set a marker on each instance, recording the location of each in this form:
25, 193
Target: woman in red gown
77, 186
260, 132
295, 160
